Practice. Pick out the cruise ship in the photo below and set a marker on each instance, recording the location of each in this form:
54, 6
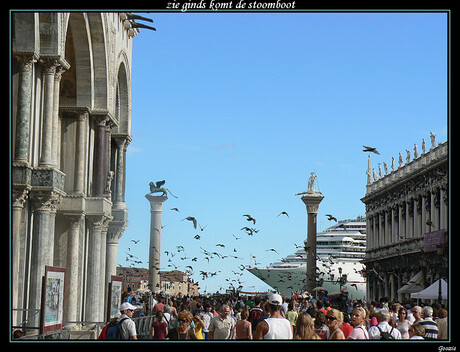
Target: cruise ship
340, 249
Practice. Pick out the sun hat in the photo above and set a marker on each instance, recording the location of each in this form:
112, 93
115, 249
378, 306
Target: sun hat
126, 305
275, 299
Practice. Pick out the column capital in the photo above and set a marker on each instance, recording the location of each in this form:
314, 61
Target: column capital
45, 201
156, 202
312, 202
26, 59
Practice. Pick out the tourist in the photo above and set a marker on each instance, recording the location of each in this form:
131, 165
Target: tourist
291, 314
321, 328
159, 327
159, 307
417, 313
243, 327
402, 324
222, 327
206, 317
276, 327
183, 332
127, 326
358, 320
199, 325
334, 319
442, 324
431, 328
255, 313
416, 332
346, 327
305, 328
375, 332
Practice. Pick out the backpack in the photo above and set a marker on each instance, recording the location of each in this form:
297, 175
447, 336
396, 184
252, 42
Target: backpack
386, 335
113, 331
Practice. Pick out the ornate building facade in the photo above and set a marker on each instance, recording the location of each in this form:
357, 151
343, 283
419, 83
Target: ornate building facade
407, 223
70, 129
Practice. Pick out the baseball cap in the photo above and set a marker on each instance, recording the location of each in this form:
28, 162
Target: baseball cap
275, 299
127, 305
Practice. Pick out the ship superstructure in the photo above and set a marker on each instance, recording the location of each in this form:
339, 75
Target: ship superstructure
340, 249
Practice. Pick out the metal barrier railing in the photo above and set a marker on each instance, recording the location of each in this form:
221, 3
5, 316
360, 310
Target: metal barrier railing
86, 330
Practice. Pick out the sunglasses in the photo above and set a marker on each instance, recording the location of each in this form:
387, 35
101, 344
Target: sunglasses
182, 320
330, 317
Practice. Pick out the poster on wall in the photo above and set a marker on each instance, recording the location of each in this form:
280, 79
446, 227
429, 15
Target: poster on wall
52, 304
114, 299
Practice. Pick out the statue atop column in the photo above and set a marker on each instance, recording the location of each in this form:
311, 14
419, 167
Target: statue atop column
157, 188
311, 185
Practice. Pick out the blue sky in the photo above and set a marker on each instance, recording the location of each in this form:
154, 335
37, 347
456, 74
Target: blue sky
235, 110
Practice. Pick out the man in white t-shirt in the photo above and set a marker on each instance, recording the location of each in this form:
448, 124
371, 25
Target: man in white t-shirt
128, 327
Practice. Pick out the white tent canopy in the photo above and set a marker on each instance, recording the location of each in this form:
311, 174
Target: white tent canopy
432, 291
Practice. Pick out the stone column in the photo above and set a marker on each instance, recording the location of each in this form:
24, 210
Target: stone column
100, 161
72, 287
156, 208
402, 220
312, 202
93, 294
19, 198
114, 234
49, 70
120, 173
411, 211
55, 121
444, 211
80, 149
41, 253
24, 106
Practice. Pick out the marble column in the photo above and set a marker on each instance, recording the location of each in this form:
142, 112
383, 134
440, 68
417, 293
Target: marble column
55, 128
100, 159
444, 211
93, 294
24, 106
120, 173
19, 198
156, 208
41, 253
72, 287
80, 153
311, 202
114, 234
49, 70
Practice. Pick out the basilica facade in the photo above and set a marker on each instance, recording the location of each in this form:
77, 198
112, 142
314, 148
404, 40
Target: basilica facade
407, 219
70, 129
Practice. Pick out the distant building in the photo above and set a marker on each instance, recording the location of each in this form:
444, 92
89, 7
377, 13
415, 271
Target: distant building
172, 283
407, 223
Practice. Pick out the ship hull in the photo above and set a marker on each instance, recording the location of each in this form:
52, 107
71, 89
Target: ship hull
290, 279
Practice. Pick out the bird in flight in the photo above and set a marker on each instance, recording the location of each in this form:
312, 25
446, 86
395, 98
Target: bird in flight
283, 213
135, 241
191, 218
250, 218
330, 217
175, 209
272, 250
370, 149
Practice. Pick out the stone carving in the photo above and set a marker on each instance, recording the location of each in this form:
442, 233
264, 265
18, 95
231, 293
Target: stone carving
433, 140
108, 183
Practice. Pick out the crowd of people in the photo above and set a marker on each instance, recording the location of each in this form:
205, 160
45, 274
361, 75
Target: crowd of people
275, 317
